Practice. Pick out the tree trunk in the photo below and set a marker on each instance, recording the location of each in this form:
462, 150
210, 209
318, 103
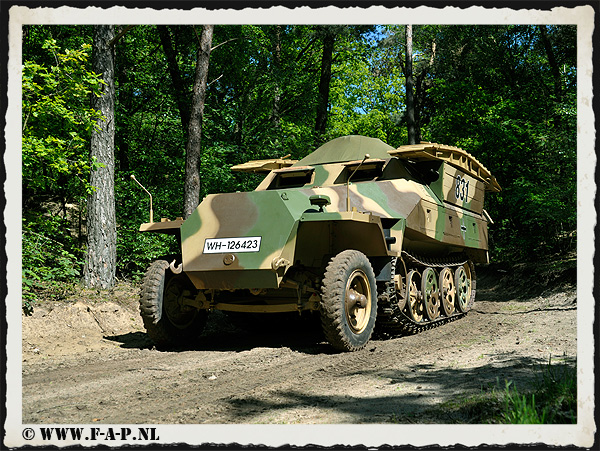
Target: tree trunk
276, 113
551, 61
238, 127
192, 150
125, 98
180, 94
418, 102
100, 265
323, 100
410, 102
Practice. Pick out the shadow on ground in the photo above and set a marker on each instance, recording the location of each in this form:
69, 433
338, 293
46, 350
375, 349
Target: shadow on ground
423, 394
496, 282
229, 333
132, 340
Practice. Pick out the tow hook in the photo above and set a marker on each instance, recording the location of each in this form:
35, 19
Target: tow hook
176, 270
279, 262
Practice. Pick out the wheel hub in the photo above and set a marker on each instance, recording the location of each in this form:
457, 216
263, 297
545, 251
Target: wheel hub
462, 279
413, 297
180, 314
447, 291
430, 294
358, 301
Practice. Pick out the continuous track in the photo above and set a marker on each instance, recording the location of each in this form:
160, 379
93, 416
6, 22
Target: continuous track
392, 316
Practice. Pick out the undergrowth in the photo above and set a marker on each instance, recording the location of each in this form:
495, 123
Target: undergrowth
552, 400
49, 268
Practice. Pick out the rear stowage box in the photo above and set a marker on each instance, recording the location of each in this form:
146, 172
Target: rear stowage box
462, 179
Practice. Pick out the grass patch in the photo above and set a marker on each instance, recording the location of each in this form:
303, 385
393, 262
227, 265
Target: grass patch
552, 400
481, 408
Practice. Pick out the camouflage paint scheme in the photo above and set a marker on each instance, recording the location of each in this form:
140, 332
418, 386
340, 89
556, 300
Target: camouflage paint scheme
425, 199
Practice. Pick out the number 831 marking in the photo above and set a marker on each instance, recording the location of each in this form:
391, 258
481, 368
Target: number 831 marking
462, 188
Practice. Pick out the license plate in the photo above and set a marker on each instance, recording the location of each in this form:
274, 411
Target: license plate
223, 245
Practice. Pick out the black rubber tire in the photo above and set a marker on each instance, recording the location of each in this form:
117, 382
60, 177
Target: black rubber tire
161, 330
334, 321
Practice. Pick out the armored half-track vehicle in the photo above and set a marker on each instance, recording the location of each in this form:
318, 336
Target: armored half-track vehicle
358, 232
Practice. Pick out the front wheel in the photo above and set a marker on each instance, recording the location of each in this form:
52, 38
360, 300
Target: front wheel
167, 318
349, 301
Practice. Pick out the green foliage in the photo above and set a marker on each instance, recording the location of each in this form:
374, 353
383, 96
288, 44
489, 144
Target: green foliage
367, 93
489, 89
551, 400
49, 265
521, 409
554, 401
240, 108
57, 121
136, 250
494, 95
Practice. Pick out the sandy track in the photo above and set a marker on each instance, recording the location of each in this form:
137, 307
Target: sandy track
87, 362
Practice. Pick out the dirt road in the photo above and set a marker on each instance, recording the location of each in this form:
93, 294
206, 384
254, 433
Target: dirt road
88, 361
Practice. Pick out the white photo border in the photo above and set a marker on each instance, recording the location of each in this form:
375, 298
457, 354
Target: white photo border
581, 434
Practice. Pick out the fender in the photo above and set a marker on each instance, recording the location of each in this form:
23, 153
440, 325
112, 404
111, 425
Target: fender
322, 234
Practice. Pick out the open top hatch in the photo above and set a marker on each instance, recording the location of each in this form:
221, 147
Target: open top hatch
263, 166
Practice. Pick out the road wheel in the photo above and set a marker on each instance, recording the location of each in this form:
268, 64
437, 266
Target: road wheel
414, 300
400, 275
447, 291
463, 281
167, 319
431, 298
348, 301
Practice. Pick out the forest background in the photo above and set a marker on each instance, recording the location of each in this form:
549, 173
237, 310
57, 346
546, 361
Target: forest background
506, 94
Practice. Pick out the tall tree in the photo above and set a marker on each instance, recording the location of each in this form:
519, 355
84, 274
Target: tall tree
551, 61
410, 102
494, 95
180, 91
414, 50
325, 80
101, 259
193, 148
276, 112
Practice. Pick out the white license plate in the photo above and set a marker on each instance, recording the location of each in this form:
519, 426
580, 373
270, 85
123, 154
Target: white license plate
223, 245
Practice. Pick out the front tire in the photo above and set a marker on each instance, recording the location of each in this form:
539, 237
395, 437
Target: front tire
349, 301
168, 321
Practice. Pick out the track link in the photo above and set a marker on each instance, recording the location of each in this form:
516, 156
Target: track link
394, 320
